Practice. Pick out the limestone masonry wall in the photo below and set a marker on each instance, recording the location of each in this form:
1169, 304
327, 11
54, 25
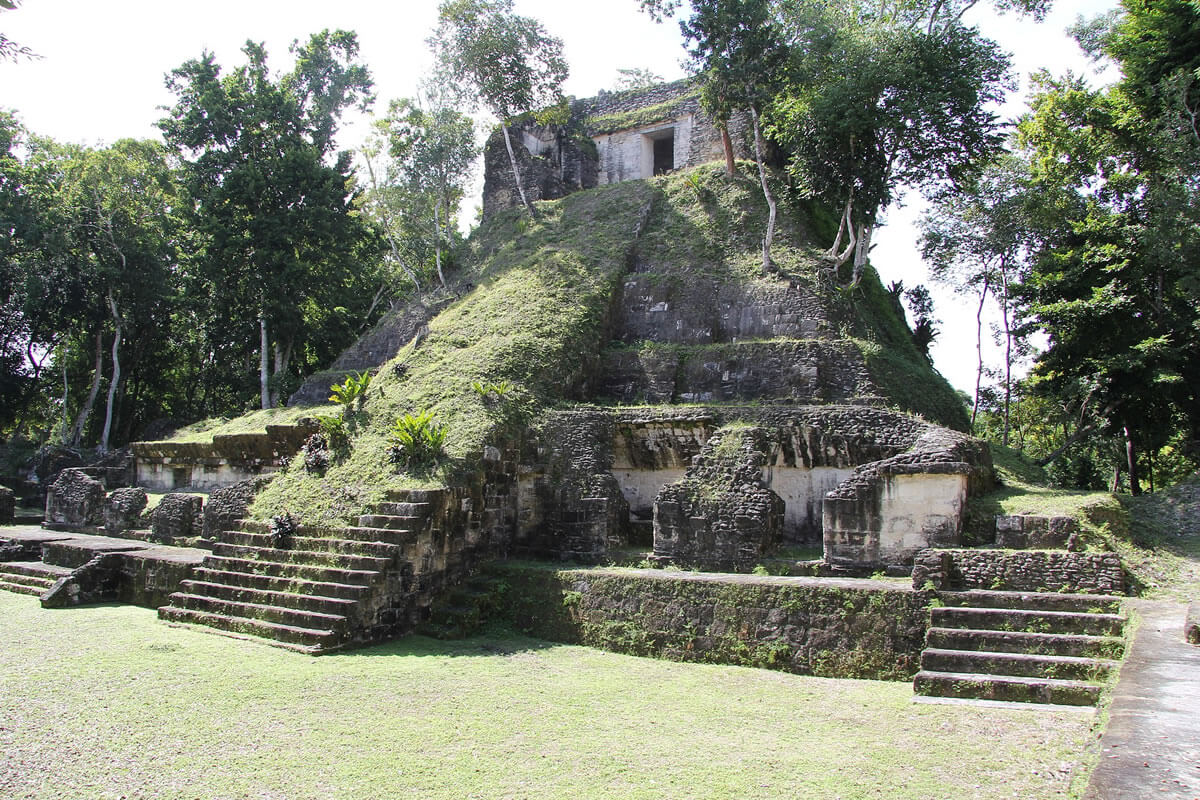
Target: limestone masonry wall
828, 627
1020, 570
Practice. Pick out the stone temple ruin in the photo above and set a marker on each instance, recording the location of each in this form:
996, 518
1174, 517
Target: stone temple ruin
728, 424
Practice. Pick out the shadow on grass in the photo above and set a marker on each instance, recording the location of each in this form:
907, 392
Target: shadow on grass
489, 644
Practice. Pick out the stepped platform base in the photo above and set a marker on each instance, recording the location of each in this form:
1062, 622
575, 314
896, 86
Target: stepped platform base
1004, 704
207, 626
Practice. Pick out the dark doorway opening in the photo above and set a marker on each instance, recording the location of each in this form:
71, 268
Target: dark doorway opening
664, 154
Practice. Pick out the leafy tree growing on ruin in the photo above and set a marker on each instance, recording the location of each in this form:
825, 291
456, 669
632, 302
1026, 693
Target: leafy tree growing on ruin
271, 195
738, 51
881, 98
507, 62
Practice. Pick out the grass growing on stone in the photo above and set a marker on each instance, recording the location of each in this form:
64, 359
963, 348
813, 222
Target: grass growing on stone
250, 422
106, 702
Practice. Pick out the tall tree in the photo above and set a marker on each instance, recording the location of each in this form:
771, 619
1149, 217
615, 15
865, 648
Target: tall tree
433, 147
271, 195
508, 62
978, 241
883, 97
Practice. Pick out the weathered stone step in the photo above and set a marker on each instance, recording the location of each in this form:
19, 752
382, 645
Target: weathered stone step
34, 569
1015, 619
391, 522
1035, 601
368, 534
1050, 644
1009, 688
245, 594
293, 617
38, 582
1025, 664
308, 557
413, 495
302, 639
308, 572
315, 544
21, 588
405, 509
283, 584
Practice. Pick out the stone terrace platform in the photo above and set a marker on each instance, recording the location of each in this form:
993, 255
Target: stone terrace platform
137, 572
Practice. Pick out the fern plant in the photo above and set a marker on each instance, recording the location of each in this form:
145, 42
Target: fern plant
416, 440
351, 390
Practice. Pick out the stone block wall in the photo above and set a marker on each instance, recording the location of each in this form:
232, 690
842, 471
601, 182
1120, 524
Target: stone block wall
889, 510
827, 627
8, 505
226, 460
720, 516
1020, 571
1033, 532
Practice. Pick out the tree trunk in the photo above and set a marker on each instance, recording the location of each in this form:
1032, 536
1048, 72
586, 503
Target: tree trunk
81, 420
263, 376
512, 159
727, 145
979, 352
283, 355
762, 178
1007, 351
116, 373
437, 243
1135, 486
861, 249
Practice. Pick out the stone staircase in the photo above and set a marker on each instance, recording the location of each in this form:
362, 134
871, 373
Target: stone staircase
30, 577
1027, 647
320, 589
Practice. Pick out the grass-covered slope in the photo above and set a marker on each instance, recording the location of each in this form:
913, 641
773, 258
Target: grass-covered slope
534, 312
532, 316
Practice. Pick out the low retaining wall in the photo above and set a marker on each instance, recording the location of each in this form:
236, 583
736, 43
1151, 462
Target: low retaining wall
1020, 571
826, 627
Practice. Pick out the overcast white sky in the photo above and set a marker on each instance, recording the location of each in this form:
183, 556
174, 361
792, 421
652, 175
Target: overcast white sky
100, 77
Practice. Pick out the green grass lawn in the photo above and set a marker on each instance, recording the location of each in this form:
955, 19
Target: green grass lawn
107, 702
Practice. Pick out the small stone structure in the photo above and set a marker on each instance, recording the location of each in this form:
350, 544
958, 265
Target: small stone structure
721, 515
613, 137
123, 510
1019, 571
224, 461
873, 485
1191, 626
177, 517
75, 500
229, 504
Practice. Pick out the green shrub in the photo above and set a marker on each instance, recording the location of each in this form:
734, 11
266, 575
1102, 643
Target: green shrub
417, 441
352, 389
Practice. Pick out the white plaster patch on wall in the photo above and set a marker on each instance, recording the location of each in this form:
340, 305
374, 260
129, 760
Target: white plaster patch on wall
802, 491
641, 486
919, 511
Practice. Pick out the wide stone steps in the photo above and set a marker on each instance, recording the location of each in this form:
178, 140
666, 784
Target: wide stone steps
1042, 601
291, 617
391, 522
306, 640
314, 558
29, 577
308, 572
356, 533
1026, 647
1028, 620
404, 509
280, 584
1010, 688
263, 541
1026, 665
1051, 644
319, 603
